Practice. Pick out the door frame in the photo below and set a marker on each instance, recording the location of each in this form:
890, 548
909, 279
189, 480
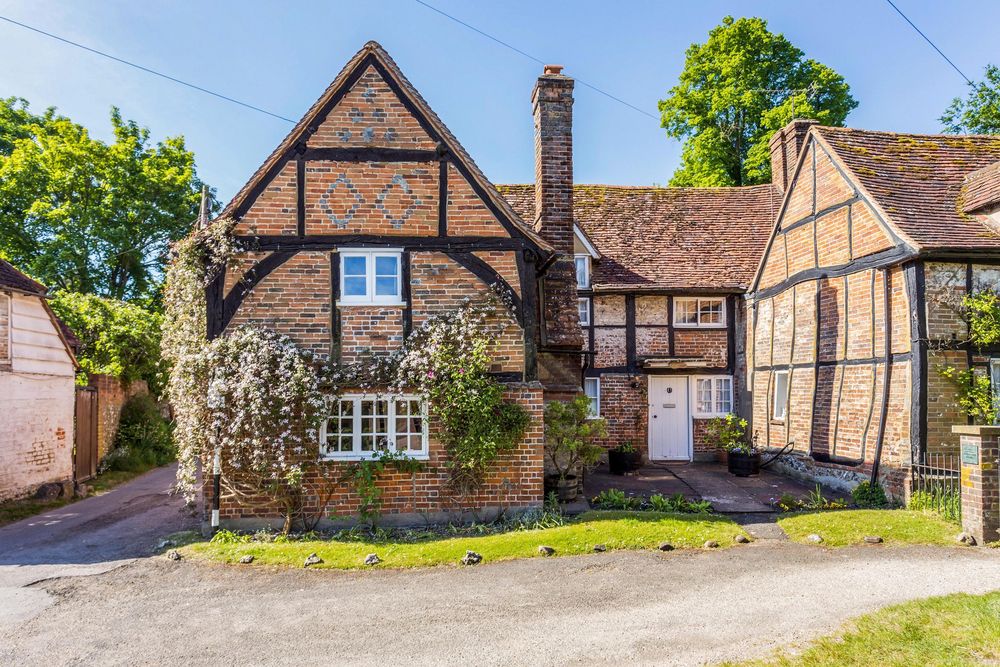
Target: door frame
686, 381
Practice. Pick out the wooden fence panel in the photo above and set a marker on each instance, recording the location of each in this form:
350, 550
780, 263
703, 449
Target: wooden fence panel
85, 460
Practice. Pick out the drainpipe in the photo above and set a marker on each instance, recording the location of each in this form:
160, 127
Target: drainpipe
216, 486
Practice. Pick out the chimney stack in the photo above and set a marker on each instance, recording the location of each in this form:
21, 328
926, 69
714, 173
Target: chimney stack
786, 144
552, 103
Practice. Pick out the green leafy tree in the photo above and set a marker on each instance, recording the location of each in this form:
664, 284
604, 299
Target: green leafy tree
88, 216
736, 90
116, 338
979, 112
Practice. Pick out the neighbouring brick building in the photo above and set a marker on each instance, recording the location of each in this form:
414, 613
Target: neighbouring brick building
855, 309
37, 370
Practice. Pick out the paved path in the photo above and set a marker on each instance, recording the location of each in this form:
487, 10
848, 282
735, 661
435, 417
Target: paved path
679, 608
87, 537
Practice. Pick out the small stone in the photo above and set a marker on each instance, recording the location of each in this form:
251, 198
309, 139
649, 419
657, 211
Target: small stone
49, 491
372, 559
967, 539
741, 539
313, 559
546, 551
814, 538
173, 554
711, 544
470, 558
666, 546
873, 539
246, 560
600, 548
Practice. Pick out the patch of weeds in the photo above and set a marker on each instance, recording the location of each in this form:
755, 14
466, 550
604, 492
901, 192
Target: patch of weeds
815, 500
869, 496
615, 499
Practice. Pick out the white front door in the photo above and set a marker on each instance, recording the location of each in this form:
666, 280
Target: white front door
669, 419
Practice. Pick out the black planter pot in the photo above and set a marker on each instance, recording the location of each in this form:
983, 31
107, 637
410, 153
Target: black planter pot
620, 463
744, 465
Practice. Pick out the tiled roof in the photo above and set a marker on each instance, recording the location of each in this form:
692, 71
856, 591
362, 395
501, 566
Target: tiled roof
917, 180
982, 188
669, 238
375, 49
14, 279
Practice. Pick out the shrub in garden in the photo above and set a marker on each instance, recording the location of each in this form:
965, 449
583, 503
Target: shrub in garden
144, 439
570, 434
869, 495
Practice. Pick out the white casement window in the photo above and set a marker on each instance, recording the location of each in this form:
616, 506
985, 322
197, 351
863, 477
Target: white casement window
583, 306
582, 271
699, 312
360, 425
592, 388
780, 397
713, 396
370, 277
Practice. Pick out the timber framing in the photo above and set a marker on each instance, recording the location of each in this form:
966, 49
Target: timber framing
916, 294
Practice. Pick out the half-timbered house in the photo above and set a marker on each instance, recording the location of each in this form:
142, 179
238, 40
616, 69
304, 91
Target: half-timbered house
369, 218
855, 308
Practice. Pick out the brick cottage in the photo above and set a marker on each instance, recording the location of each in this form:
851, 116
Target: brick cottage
856, 308
666, 306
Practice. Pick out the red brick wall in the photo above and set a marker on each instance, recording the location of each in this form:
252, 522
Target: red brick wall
112, 394
514, 481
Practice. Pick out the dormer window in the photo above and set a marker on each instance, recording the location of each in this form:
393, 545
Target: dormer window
582, 271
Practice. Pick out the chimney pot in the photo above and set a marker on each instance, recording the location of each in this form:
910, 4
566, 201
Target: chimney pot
553, 69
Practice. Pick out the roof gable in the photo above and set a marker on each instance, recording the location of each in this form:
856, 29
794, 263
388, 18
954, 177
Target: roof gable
916, 182
415, 127
11, 278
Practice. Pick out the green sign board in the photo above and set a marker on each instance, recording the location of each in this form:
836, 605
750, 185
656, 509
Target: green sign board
970, 453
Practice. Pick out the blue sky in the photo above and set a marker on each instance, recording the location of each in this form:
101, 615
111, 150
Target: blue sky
281, 56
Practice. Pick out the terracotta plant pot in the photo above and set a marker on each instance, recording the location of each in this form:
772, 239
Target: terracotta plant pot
723, 456
743, 465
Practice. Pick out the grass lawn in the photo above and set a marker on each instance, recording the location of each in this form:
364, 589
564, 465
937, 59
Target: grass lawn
15, 510
843, 527
615, 530
951, 630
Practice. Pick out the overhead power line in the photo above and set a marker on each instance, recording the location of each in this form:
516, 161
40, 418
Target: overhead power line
928, 40
531, 57
147, 70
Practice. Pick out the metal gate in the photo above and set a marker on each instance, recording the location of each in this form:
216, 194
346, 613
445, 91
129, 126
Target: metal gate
85, 459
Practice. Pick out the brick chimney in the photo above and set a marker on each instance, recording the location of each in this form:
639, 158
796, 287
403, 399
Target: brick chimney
786, 144
552, 103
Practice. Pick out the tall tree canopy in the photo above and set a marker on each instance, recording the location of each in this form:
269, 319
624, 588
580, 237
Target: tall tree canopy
88, 216
979, 112
738, 88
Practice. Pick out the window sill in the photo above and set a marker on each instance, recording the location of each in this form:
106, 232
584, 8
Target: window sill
700, 326
388, 304
356, 458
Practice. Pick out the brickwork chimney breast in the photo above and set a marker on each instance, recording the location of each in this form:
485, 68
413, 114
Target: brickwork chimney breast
786, 144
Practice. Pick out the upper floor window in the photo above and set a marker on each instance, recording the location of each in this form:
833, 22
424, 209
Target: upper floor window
713, 396
582, 271
370, 277
699, 312
358, 426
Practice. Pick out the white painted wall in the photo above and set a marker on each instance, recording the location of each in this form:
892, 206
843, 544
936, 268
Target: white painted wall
37, 397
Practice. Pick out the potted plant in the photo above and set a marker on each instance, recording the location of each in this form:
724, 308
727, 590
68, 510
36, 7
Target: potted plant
570, 447
729, 433
624, 458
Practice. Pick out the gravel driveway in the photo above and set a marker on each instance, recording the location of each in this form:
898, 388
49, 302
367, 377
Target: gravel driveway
681, 608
